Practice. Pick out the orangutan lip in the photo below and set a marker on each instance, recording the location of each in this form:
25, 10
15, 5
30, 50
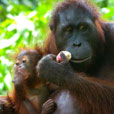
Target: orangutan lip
80, 60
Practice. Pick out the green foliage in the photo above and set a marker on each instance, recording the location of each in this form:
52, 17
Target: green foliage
108, 13
25, 23
107, 8
21, 25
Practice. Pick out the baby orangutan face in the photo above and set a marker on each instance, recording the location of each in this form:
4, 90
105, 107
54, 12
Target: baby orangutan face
26, 63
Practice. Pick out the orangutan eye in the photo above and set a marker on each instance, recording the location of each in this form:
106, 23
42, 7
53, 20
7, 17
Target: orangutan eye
17, 63
25, 59
69, 29
83, 28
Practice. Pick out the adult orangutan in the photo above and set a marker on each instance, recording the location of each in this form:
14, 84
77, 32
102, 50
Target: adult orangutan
85, 81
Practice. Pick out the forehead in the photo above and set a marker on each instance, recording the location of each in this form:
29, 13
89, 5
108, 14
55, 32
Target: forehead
22, 54
73, 16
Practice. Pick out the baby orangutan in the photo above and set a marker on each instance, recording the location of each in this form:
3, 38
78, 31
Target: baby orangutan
29, 92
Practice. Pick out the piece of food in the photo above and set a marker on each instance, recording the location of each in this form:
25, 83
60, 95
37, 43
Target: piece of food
67, 54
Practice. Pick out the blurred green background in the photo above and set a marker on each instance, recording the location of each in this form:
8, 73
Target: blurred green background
25, 23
